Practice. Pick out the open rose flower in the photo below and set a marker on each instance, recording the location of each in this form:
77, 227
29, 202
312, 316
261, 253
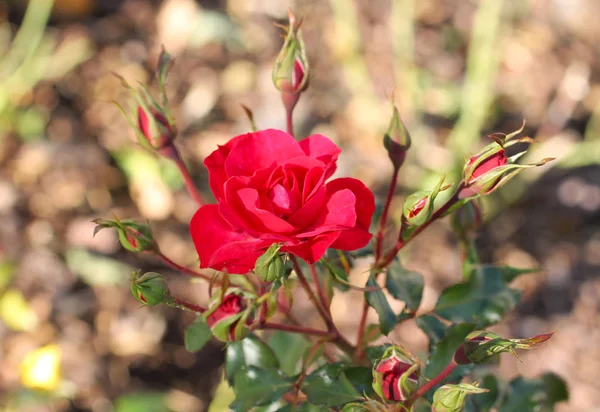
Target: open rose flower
270, 189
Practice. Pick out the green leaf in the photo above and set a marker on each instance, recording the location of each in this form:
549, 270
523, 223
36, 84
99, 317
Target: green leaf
444, 349
197, 335
485, 401
433, 328
378, 301
304, 407
484, 299
404, 285
255, 386
361, 378
535, 395
222, 397
289, 348
141, 402
247, 352
329, 386
375, 353
451, 398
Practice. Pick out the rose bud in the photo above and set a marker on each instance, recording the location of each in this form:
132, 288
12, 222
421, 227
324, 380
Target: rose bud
227, 315
479, 346
150, 289
290, 73
269, 266
396, 140
135, 237
490, 169
155, 128
467, 219
418, 207
395, 375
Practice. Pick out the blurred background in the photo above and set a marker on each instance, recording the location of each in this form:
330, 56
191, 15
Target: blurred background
72, 338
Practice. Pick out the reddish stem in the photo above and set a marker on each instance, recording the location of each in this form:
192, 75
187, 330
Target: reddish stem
182, 269
320, 290
309, 292
401, 242
185, 305
361, 331
433, 382
297, 329
385, 213
187, 179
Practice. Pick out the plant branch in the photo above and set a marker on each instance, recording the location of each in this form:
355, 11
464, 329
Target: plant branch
433, 382
309, 292
180, 268
401, 242
385, 213
185, 305
320, 290
297, 329
187, 179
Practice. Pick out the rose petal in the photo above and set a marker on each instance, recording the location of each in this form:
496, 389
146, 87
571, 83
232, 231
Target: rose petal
313, 249
319, 147
215, 163
263, 220
310, 211
352, 239
260, 150
339, 214
220, 246
365, 201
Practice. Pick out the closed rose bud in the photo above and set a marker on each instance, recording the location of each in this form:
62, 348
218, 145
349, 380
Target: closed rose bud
396, 375
269, 266
227, 315
155, 128
290, 73
472, 341
418, 207
150, 289
134, 236
396, 140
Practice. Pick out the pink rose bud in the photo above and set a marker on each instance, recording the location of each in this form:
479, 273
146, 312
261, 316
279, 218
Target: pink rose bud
150, 289
290, 73
396, 375
227, 315
396, 140
155, 128
472, 341
134, 236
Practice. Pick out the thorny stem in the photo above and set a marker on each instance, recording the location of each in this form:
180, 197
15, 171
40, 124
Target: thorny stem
180, 268
309, 292
320, 290
189, 183
185, 305
436, 380
385, 213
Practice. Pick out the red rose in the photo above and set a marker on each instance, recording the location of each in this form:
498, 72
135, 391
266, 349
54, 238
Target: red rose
231, 306
270, 189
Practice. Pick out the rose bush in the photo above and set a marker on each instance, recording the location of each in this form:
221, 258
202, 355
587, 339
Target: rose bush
271, 188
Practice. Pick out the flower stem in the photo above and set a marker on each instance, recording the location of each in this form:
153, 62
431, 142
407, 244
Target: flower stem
185, 305
401, 242
361, 331
187, 179
297, 329
182, 269
309, 292
433, 382
320, 290
385, 213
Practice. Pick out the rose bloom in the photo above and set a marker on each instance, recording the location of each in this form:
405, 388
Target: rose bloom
271, 188
392, 370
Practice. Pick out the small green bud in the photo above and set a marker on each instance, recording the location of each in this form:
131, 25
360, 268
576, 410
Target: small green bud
150, 289
396, 140
269, 266
290, 73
